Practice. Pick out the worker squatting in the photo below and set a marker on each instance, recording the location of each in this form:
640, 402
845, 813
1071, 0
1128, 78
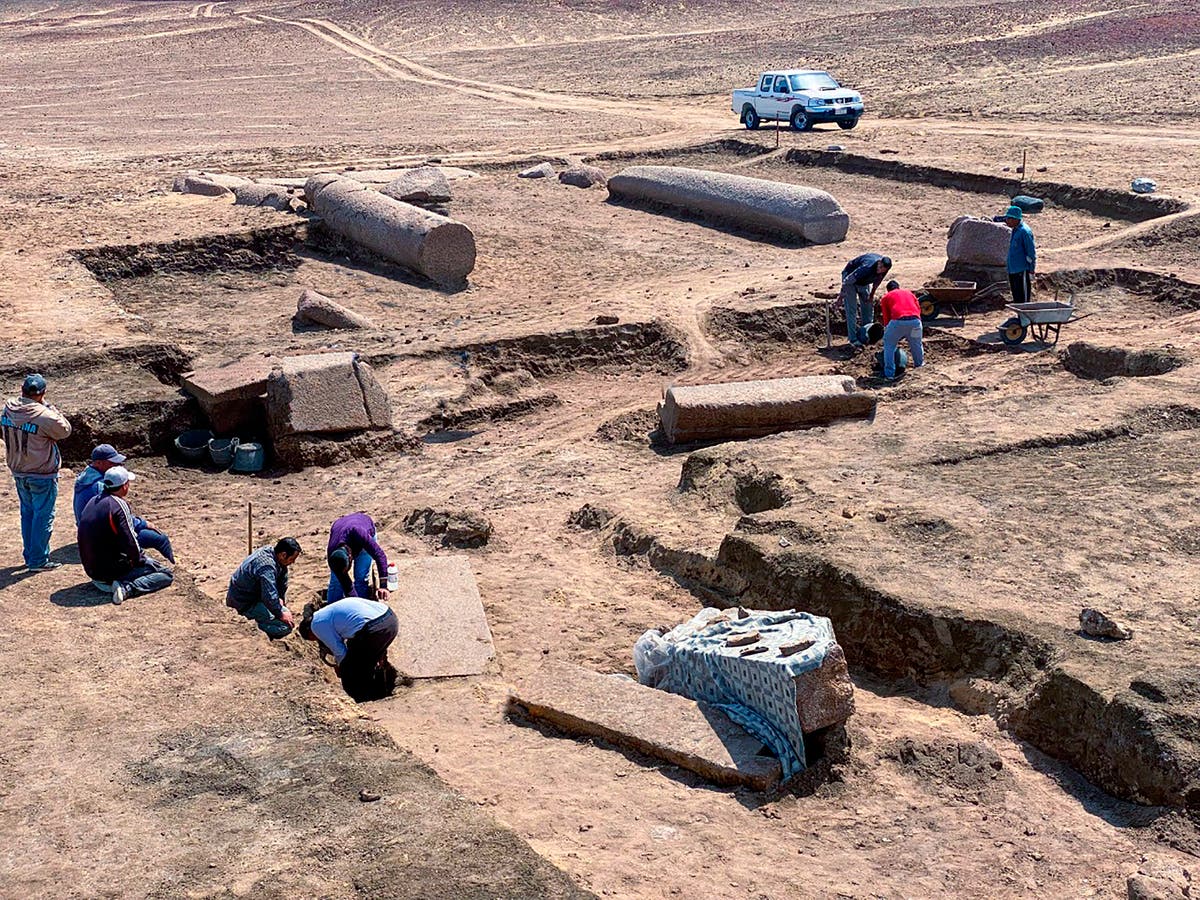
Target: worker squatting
353, 625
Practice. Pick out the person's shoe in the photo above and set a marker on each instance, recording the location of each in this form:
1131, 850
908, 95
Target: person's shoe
118, 596
48, 566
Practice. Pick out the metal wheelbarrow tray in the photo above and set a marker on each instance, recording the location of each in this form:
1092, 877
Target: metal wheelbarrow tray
946, 300
1043, 320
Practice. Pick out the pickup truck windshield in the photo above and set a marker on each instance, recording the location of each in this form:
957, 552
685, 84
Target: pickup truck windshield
814, 82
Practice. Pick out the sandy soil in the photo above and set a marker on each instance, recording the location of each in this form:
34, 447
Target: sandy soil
105, 765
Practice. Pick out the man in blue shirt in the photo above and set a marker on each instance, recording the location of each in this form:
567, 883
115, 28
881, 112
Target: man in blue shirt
357, 633
89, 484
861, 278
1022, 256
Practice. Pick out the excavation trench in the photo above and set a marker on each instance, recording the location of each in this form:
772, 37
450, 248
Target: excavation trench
1124, 738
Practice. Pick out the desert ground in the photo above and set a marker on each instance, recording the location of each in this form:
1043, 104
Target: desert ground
164, 748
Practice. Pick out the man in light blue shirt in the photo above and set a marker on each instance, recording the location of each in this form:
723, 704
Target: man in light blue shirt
357, 633
1022, 256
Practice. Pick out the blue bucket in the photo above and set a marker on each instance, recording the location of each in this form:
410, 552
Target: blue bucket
249, 457
222, 450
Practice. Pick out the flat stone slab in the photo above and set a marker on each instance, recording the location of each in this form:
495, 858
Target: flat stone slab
695, 736
443, 628
243, 379
741, 409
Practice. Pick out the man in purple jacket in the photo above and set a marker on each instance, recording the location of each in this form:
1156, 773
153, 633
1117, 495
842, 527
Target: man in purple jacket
352, 548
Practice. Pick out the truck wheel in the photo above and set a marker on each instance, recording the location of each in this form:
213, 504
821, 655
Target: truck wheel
847, 124
750, 118
800, 120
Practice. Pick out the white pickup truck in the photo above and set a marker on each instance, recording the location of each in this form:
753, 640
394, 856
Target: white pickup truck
802, 97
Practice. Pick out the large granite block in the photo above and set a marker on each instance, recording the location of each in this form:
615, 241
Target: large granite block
232, 396
666, 726
315, 394
754, 408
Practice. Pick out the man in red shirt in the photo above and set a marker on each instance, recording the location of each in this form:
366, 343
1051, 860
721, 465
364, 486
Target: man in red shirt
901, 313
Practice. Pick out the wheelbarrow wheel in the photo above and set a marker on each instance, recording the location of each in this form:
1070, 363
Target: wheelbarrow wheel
930, 308
1012, 332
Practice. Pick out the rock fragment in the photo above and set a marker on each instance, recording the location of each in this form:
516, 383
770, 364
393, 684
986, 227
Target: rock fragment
317, 309
583, 176
1094, 623
424, 184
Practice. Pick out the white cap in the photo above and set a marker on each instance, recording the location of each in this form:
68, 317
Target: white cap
117, 476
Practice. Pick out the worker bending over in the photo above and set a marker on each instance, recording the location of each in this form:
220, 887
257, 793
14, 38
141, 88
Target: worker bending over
861, 278
88, 484
108, 546
352, 548
901, 313
357, 633
258, 589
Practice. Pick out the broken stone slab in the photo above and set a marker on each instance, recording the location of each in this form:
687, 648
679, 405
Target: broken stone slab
754, 408
425, 184
433, 245
323, 393
694, 736
316, 309
233, 395
1096, 624
583, 176
541, 170
774, 208
445, 631
977, 242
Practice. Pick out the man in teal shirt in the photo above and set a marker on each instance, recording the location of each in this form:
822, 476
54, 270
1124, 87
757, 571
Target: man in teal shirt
1022, 256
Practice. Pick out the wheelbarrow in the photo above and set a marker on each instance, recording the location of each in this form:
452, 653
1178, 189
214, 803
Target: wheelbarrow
1042, 320
946, 300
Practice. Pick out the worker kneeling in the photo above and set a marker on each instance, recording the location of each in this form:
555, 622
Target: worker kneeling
108, 544
901, 313
357, 633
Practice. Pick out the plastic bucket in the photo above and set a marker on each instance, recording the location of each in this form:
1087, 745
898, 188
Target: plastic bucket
901, 360
193, 445
221, 450
248, 457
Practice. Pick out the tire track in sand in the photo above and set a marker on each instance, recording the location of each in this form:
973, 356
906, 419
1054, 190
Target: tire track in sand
405, 69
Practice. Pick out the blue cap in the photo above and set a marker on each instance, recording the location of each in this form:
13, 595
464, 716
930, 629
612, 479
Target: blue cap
34, 386
1014, 212
107, 453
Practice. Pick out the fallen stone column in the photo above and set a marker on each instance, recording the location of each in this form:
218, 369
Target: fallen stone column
743, 409
425, 242
753, 204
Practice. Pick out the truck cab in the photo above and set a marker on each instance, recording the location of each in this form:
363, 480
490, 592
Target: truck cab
800, 97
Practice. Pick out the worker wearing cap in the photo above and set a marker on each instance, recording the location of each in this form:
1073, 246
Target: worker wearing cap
861, 278
108, 546
901, 314
88, 485
32, 429
1022, 256
352, 546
